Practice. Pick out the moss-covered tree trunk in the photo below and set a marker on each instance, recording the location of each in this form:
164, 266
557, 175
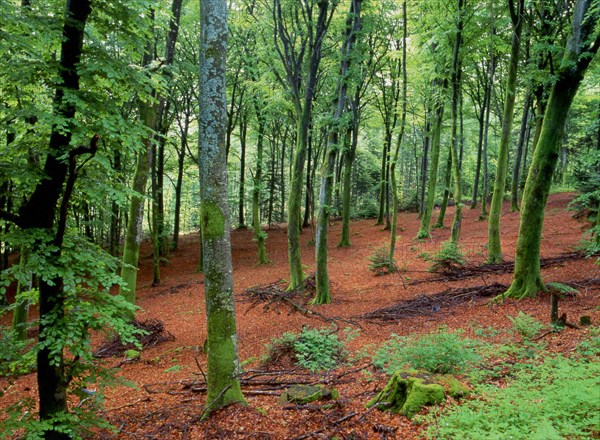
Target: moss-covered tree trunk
580, 50
19, 322
433, 166
259, 235
223, 364
514, 187
347, 181
494, 246
454, 143
353, 25
394, 223
447, 180
133, 234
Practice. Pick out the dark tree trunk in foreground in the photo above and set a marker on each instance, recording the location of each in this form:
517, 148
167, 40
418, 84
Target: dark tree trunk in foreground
579, 52
223, 364
46, 210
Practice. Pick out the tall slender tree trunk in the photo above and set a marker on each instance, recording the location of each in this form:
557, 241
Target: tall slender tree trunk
382, 185
353, 26
455, 141
394, 223
447, 181
242, 193
481, 119
494, 245
223, 383
305, 116
154, 210
514, 188
438, 113
40, 212
581, 47
424, 162
179, 182
133, 235
259, 235
347, 180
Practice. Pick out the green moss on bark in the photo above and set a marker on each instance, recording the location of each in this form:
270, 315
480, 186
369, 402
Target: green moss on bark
213, 220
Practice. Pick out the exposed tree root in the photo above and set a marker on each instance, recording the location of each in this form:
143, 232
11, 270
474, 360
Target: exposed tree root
526, 287
426, 305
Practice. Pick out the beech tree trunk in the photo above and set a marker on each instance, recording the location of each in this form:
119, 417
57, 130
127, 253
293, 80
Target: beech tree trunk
394, 182
579, 52
514, 187
494, 246
223, 363
353, 26
438, 113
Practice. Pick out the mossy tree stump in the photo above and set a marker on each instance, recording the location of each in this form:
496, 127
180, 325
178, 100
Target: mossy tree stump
408, 391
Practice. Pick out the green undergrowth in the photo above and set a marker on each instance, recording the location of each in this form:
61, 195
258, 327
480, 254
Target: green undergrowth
311, 348
556, 399
438, 352
542, 396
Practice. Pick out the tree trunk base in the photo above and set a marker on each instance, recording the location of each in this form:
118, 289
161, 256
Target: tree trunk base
524, 287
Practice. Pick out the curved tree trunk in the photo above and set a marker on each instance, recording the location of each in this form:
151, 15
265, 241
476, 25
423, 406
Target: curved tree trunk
527, 279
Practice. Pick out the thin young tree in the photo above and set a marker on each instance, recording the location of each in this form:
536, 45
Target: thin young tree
580, 50
399, 139
323, 295
494, 245
223, 363
298, 36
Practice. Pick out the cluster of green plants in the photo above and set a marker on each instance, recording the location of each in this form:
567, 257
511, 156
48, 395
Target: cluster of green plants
553, 400
381, 263
313, 349
449, 257
438, 352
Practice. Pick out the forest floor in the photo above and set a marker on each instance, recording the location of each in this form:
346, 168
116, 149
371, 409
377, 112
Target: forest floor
168, 396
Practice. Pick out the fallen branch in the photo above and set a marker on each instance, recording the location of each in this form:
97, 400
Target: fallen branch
427, 305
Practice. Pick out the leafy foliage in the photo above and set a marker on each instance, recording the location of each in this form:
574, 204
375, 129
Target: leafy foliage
526, 325
381, 263
439, 352
553, 400
313, 349
448, 258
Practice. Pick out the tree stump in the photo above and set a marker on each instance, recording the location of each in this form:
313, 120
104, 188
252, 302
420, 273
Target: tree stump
409, 390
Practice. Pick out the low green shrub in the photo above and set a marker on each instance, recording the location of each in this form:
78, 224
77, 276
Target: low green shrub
313, 349
448, 258
527, 326
381, 263
439, 352
554, 400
